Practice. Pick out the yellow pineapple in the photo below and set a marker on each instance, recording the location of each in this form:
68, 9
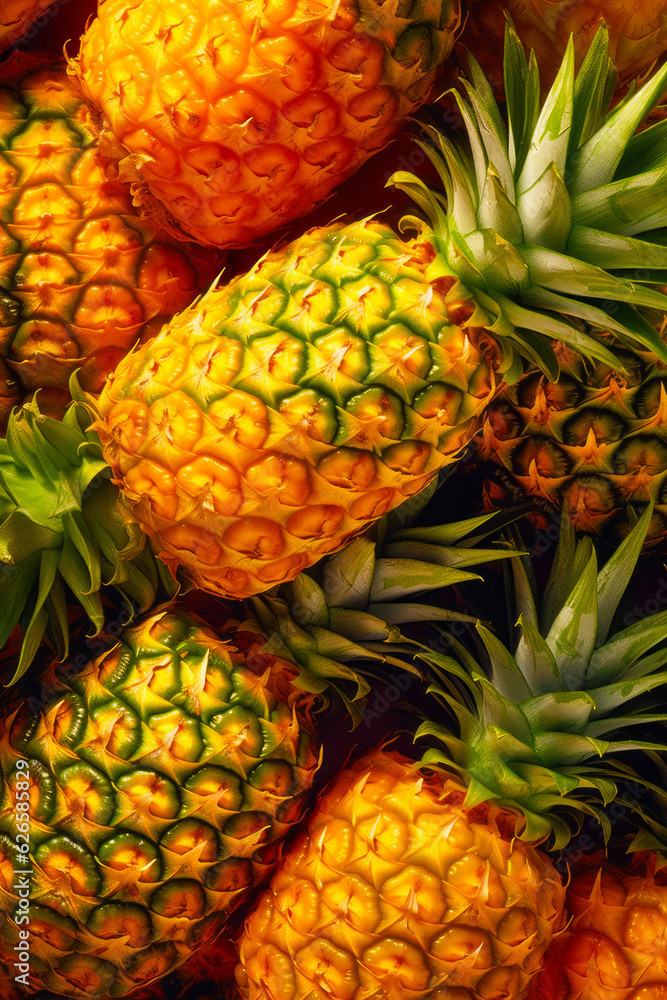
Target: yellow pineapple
426, 879
270, 422
397, 889
156, 778
234, 117
83, 277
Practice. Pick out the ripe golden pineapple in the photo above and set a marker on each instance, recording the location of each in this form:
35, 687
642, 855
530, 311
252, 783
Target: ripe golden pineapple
397, 889
637, 32
265, 427
234, 117
430, 883
83, 277
159, 775
615, 947
272, 421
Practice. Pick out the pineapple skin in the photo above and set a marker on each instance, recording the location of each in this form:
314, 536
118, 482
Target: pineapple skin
594, 442
246, 115
271, 422
615, 947
397, 891
161, 776
83, 276
207, 975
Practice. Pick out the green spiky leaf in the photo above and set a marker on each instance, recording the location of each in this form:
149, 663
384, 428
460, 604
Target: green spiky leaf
536, 214
540, 721
63, 536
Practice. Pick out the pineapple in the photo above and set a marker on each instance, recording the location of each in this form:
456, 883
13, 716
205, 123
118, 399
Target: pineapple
83, 277
161, 777
637, 31
164, 770
207, 975
397, 890
615, 947
426, 880
232, 118
270, 422
594, 442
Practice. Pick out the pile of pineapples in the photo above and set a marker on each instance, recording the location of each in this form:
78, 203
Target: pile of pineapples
333, 635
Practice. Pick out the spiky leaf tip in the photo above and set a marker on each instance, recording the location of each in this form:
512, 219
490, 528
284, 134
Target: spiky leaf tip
547, 215
63, 537
345, 620
544, 725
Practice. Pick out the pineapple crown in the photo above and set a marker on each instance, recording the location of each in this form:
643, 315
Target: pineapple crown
539, 725
350, 607
548, 222
61, 530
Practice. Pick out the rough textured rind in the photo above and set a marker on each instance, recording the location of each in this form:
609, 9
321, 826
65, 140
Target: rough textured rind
614, 947
160, 777
594, 442
274, 420
83, 276
246, 115
397, 891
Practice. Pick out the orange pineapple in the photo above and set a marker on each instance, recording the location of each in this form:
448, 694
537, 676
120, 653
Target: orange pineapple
397, 890
234, 117
615, 947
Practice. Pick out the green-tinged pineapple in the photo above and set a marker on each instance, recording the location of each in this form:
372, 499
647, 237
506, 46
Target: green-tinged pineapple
615, 945
594, 442
160, 777
161, 774
267, 424
424, 879
83, 276
207, 975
